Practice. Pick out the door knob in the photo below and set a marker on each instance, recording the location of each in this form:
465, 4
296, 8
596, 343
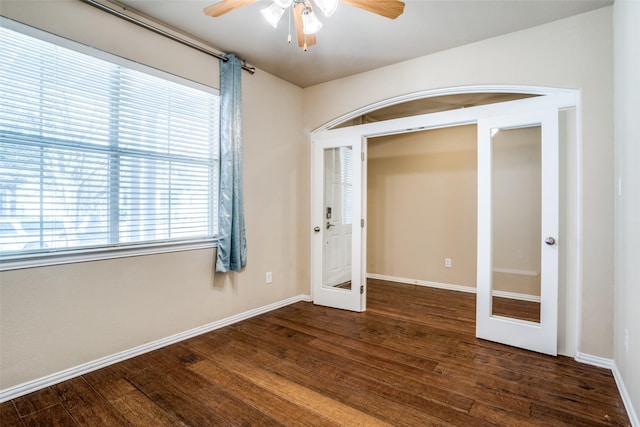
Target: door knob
329, 225
550, 241
316, 229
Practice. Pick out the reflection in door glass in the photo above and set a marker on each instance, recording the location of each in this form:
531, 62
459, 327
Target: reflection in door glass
517, 216
337, 209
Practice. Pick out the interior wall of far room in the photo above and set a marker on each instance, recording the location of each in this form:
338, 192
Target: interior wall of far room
422, 208
422, 204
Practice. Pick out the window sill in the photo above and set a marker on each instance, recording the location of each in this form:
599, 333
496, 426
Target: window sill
97, 254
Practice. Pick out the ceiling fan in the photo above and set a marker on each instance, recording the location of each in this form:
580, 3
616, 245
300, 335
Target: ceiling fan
306, 22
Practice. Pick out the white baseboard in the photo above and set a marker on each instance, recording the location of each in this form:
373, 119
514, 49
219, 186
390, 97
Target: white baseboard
450, 287
518, 296
588, 359
447, 286
46, 381
626, 399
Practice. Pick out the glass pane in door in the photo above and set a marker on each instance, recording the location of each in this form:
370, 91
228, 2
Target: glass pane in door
516, 222
337, 217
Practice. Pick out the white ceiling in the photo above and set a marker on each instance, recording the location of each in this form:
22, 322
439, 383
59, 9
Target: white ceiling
353, 40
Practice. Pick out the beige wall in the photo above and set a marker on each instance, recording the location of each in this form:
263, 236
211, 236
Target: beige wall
422, 203
570, 53
54, 318
627, 111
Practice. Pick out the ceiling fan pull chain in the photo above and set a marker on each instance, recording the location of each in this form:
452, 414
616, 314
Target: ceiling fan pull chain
289, 37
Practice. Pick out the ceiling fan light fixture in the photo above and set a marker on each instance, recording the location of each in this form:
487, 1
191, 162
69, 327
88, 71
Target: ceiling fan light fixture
327, 6
302, 15
310, 22
273, 14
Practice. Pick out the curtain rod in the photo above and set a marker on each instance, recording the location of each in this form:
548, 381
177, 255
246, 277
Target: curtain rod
164, 33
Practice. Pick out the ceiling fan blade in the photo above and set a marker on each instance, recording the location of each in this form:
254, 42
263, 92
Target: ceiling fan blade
225, 6
310, 39
388, 8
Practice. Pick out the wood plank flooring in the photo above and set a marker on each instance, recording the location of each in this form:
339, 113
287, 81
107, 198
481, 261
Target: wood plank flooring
410, 360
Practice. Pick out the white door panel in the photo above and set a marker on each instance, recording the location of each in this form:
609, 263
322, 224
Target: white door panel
337, 237
518, 188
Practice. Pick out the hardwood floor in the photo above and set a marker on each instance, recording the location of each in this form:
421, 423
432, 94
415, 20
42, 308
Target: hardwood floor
410, 360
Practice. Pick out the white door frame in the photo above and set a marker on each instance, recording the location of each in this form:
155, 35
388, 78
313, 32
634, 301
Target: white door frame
550, 97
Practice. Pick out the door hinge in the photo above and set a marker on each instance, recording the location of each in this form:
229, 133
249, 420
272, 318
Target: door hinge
362, 223
361, 289
362, 156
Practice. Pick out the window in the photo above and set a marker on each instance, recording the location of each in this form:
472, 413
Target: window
96, 154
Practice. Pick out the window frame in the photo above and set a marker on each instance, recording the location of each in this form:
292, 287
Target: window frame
108, 251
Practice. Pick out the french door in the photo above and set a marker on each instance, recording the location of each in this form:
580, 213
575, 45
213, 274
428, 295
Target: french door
518, 196
337, 250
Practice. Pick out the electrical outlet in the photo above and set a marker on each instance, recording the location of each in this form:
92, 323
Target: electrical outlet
269, 277
626, 340
447, 262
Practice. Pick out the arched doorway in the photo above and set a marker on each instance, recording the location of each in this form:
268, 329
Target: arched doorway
348, 135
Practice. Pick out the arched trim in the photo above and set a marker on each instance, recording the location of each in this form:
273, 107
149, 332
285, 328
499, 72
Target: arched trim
430, 93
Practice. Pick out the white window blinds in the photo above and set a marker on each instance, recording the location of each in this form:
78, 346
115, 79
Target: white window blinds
98, 154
